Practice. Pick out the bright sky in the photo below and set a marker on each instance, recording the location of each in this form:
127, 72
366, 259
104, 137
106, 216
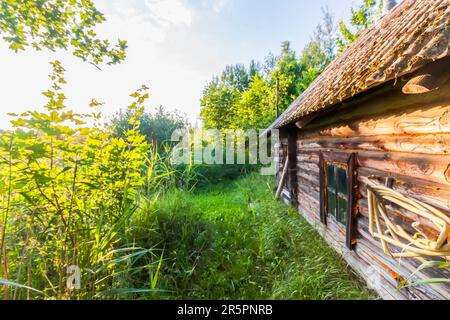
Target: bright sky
175, 47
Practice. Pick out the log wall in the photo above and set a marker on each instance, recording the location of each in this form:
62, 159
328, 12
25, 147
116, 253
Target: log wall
404, 137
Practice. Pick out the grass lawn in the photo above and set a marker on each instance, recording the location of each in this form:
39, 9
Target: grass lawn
234, 241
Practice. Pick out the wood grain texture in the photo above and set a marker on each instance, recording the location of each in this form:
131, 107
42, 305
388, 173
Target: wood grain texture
427, 79
413, 34
402, 137
418, 119
434, 144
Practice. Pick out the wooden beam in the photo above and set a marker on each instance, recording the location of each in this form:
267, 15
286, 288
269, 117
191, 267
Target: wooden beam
437, 144
283, 179
352, 200
426, 80
303, 122
421, 84
391, 103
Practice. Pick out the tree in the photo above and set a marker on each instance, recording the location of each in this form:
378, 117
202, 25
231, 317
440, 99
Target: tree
270, 62
288, 72
157, 127
236, 76
362, 18
244, 99
222, 93
256, 107
319, 52
218, 104
58, 24
254, 69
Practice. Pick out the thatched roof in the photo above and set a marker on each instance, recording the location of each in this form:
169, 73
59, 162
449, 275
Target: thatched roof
413, 34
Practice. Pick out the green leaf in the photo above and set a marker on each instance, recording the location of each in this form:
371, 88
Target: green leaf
20, 286
428, 282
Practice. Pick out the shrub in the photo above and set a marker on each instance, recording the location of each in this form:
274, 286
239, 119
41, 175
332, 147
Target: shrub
68, 192
157, 127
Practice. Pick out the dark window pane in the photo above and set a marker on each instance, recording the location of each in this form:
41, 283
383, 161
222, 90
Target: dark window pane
331, 190
330, 177
342, 195
342, 211
342, 182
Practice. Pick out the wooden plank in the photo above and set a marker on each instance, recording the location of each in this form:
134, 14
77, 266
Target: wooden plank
426, 79
367, 250
352, 196
323, 209
358, 264
283, 177
390, 102
425, 167
310, 202
416, 119
312, 191
309, 167
337, 155
438, 144
403, 138
403, 268
434, 194
311, 158
309, 176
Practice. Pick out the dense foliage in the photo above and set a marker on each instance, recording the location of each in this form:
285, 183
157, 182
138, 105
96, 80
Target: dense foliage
363, 16
108, 200
57, 24
243, 98
68, 191
157, 127
253, 98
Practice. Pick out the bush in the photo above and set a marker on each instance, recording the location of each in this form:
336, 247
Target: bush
157, 127
68, 192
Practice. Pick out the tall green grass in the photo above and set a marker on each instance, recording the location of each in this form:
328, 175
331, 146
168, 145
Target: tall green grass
72, 194
68, 191
234, 241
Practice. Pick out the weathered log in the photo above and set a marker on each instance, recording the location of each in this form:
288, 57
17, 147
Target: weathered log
390, 103
438, 144
426, 167
427, 79
418, 119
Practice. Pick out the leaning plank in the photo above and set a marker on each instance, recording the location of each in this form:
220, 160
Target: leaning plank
283, 178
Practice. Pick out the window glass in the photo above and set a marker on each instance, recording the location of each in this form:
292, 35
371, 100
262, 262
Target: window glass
337, 192
331, 190
342, 195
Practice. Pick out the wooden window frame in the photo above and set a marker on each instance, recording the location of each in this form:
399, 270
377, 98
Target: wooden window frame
349, 160
335, 191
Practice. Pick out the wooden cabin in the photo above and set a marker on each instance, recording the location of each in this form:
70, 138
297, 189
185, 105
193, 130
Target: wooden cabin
365, 151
